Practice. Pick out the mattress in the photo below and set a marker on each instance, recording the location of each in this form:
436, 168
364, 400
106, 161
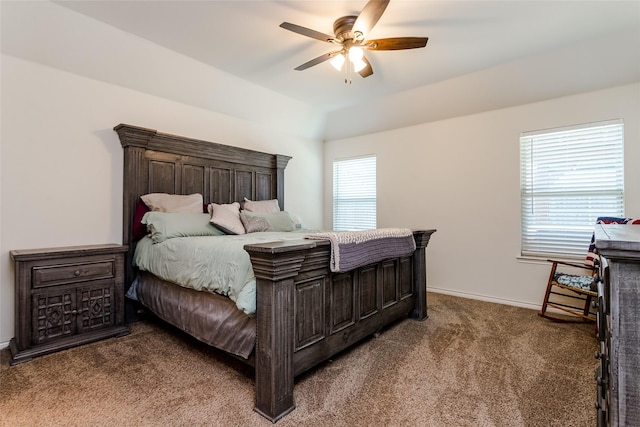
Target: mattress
216, 264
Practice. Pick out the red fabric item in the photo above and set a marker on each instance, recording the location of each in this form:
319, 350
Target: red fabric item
139, 229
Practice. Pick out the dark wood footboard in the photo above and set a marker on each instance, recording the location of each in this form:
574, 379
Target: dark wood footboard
306, 314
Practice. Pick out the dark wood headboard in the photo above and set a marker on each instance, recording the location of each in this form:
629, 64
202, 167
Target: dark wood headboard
157, 162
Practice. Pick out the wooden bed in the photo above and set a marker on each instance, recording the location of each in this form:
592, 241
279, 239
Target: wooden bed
304, 312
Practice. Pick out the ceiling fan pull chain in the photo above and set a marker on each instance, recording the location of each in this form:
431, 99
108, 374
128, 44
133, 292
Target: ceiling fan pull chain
348, 71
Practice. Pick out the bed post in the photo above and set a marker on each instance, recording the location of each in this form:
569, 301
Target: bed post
134, 142
420, 273
281, 164
275, 265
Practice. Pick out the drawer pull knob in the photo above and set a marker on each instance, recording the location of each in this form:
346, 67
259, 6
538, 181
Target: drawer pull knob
76, 273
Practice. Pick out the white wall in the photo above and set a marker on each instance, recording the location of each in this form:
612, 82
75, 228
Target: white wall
48, 33
61, 162
461, 176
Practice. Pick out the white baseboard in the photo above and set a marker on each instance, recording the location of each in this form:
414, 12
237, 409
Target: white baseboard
4, 344
485, 298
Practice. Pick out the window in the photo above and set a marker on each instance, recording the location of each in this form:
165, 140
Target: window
354, 194
569, 177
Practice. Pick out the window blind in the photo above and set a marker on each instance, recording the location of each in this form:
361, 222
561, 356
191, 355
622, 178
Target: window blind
354, 194
569, 177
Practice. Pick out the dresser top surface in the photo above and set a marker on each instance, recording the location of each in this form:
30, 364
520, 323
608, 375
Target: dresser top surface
67, 251
620, 237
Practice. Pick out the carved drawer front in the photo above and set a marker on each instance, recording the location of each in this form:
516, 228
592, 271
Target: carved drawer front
59, 312
53, 315
601, 400
71, 273
95, 307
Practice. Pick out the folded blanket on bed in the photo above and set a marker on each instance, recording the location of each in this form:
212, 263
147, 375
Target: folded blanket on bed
353, 249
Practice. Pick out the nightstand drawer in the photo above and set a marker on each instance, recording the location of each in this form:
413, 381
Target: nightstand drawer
70, 273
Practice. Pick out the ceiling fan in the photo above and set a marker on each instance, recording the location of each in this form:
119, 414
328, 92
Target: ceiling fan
350, 36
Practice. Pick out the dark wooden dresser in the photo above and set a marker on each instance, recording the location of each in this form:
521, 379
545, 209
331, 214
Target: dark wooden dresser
618, 375
66, 297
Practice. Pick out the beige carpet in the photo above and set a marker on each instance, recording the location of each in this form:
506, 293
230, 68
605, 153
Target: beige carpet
471, 363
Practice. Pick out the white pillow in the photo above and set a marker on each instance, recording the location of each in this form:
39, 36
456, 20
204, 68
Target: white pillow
267, 206
175, 203
226, 217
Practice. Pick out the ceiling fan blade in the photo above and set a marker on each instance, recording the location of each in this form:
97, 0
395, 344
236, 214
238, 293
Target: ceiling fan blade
369, 16
366, 71
307, 32
316, 61
396, 43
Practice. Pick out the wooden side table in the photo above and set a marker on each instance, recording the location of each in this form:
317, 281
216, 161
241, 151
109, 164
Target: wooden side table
66, 297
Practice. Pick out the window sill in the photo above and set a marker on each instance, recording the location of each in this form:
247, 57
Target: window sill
529, 259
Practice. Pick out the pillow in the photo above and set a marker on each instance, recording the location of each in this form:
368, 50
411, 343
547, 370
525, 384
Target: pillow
277, 221
254, 224
227, 217
261, 206
167, 225
176, 203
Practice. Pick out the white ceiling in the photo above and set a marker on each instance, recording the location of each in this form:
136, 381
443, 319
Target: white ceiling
232, 58
243, 38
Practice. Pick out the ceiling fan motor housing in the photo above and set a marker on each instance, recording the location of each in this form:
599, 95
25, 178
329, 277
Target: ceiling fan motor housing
342, 28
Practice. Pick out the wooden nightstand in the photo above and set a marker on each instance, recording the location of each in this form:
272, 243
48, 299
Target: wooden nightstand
66, 297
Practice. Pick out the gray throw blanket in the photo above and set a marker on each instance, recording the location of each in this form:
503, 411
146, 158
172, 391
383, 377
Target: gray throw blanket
353, 249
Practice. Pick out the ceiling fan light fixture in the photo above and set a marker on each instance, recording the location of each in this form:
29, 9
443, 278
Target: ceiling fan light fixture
337, 62
358, 65
355, 54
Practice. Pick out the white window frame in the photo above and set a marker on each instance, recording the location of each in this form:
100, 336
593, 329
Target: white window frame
569, 176
354, 193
